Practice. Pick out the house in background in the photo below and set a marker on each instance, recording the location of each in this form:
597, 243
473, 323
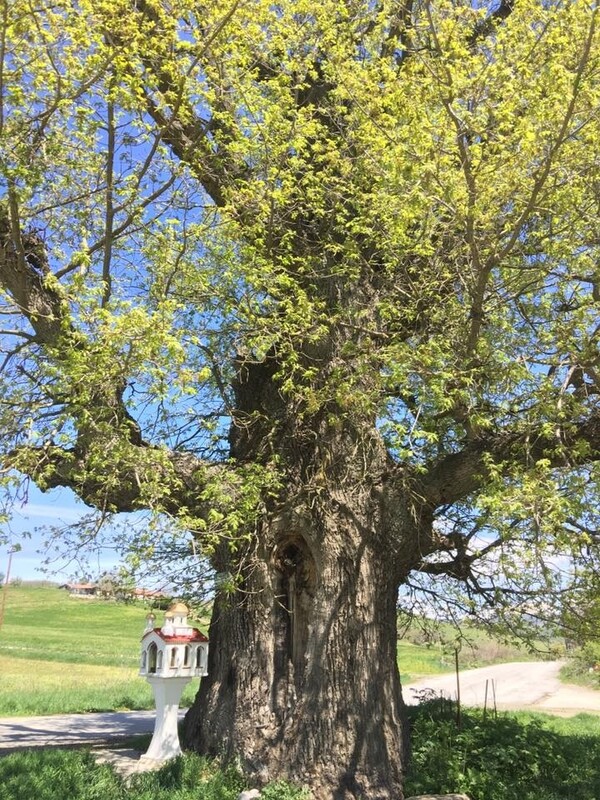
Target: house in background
151, 595
80, 589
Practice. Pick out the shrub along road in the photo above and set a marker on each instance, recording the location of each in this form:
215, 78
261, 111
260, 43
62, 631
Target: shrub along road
523, 686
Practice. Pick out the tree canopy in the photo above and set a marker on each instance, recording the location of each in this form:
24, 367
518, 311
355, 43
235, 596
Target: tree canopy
250, 181
258, 254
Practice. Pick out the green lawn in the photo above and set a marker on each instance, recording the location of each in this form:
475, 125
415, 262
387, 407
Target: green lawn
82, 654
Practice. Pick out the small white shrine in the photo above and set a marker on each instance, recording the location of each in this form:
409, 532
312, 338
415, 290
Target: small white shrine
171, 656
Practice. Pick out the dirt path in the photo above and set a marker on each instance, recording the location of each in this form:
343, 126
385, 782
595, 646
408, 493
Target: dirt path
524, 685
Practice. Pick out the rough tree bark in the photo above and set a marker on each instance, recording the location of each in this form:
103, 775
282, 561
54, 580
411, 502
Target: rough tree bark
303, 675
303, 681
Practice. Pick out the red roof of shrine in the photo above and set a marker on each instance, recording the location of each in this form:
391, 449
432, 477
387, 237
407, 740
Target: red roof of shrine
194, 636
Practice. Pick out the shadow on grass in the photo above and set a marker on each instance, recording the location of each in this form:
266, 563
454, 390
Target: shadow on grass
511, 756
48, 774
53, 774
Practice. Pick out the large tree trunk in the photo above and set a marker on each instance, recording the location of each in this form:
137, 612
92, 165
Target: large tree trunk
303, 682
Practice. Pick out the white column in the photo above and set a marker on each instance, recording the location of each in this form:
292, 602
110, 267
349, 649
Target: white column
165, 740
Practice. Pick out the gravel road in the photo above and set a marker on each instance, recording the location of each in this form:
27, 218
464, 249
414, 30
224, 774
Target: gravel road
524, 685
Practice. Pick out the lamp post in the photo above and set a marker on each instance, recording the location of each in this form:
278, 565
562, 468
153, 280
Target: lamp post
14, 549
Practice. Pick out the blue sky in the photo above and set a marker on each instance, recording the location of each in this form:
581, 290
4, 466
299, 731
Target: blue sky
44, 510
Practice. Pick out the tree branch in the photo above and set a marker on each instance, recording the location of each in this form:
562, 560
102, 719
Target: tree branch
459, 474
109, 212
488, 25
181, 127
24, 273
123, 485
460, 566
110, 466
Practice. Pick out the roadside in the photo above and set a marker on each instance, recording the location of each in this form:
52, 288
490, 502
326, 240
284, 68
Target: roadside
523, 686
70, 730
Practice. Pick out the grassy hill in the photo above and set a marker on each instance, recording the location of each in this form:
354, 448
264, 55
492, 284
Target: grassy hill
44, 623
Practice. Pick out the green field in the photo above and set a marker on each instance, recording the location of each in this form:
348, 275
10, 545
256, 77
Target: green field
81, 654
416, 661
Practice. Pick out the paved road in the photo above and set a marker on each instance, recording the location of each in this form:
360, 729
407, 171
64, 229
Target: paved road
73, 729
527, 685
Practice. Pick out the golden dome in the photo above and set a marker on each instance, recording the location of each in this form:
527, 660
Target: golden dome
177, 608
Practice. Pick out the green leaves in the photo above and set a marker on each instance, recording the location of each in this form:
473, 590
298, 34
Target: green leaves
396, 213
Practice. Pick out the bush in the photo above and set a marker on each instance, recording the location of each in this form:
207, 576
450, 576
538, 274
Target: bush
584, 665
511, 757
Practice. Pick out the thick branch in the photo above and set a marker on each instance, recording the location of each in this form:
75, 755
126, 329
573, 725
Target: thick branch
110, 466
24, 274
181, 127
123, 486
188, 141
459, 474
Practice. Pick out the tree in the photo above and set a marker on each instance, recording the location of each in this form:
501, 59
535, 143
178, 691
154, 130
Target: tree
318, 282
111, 585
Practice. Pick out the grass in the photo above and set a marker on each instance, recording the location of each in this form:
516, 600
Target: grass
45, 623
516, 756
416, 661
81, 654
54, 689
73, 774
62, 774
